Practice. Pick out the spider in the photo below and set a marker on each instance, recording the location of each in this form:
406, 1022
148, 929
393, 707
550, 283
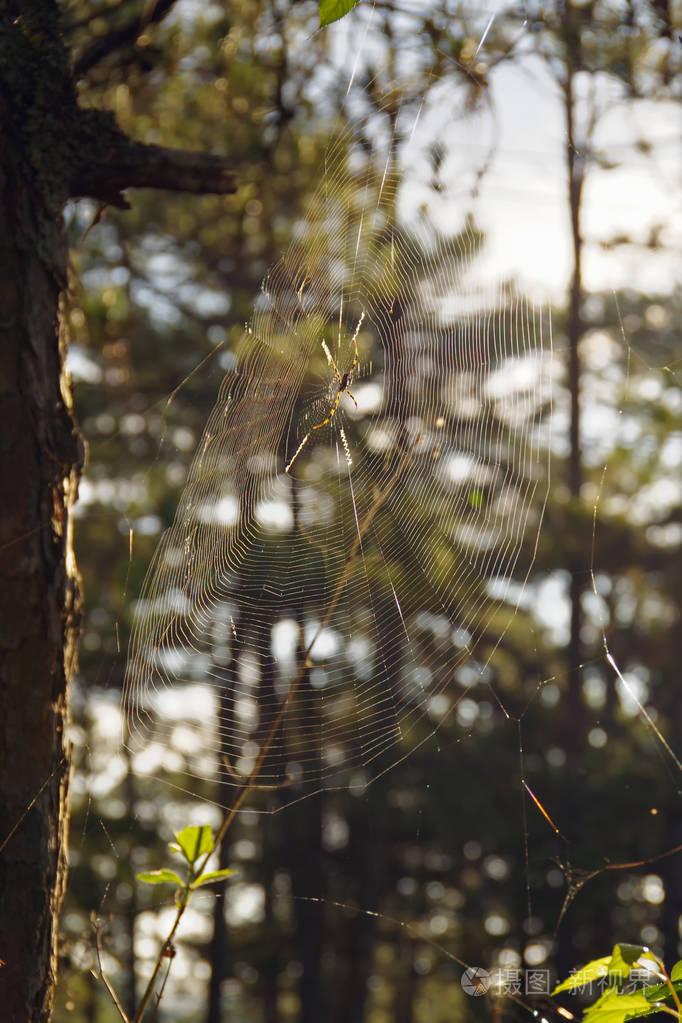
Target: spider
343, 383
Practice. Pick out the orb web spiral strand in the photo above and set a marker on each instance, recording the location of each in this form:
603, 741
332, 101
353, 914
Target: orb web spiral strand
363, 499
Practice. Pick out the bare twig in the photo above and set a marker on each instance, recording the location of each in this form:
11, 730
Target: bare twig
170, 953
149, 990
103, 977
260, 787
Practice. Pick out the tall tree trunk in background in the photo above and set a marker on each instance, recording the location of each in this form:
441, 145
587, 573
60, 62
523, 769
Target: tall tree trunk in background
40, 459
303, 850
218, 955
575, 330
271, 958
366, 870
305, 861
405, 989
133, 907
574, 708
269, 707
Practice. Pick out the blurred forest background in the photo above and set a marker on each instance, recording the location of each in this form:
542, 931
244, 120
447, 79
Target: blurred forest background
448, 847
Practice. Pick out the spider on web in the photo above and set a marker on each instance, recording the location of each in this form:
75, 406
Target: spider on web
576, 878
343, 383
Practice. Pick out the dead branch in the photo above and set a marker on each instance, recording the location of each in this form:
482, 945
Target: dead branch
135, 165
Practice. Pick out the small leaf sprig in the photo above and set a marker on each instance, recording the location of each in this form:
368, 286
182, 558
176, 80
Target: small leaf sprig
620, 1001
194, 843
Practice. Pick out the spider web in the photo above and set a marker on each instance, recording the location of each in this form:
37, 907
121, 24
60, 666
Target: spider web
366, 495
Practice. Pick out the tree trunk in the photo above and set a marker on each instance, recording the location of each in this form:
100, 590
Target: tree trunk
574, 711
575, 332
133, 906
272, 938
302, 851
50, 151
40, 458
405, 988
218, 954
366, 873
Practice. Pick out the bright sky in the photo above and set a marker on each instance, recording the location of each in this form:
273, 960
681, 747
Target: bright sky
522, 198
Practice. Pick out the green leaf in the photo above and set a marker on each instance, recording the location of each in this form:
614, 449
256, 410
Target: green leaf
195, 842
623, 959
332, 10
213, 877
616, 967
476, 498
592, 971
676, 972
160, 877
659, 992
614, 1007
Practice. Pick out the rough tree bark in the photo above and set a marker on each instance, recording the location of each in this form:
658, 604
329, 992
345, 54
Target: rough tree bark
50, 151
40, 457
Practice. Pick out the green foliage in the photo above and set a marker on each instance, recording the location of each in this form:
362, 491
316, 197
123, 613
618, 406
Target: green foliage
615, 1007
195, 843
332, 10
624, 958
213, 877
592, 971
160, 877
619, 1002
